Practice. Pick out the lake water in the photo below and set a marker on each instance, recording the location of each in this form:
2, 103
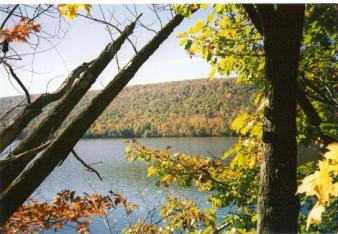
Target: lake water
128, 178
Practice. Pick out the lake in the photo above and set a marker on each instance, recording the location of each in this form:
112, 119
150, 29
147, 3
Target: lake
129, 178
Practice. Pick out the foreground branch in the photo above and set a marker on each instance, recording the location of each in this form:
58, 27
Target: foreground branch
312, 115
17, 79
85, 164
8, 134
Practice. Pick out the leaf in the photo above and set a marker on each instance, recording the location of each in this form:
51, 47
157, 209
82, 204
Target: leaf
151, 171
183, 41
204, 6
218, 8
19, 32
315, 215
212, 72
69, 11
210, 18
198, 27
332, 154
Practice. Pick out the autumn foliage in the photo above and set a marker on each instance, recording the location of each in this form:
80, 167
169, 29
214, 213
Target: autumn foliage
66, 208
20, 31
322, 184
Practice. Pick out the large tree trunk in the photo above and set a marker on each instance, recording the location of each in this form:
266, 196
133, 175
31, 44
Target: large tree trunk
23, 186
278, 206
309, 110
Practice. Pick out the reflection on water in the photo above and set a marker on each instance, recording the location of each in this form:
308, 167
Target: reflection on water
128, 178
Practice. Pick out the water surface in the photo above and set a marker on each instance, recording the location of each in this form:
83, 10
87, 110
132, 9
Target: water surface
128, 178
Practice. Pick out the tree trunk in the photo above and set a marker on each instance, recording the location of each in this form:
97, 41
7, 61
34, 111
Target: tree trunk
278, 206
23, 186
302, 100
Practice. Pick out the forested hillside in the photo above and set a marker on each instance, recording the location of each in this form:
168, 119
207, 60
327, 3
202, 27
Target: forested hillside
185, 108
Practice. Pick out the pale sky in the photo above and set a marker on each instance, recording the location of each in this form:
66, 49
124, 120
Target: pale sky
84, 41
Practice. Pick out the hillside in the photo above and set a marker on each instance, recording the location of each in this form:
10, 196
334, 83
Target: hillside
185, 108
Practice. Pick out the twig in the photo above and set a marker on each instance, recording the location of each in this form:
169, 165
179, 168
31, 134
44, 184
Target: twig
222, 227
157, 15
85, 164
18, 81
8, 16
25, 154
4, 115
112, 25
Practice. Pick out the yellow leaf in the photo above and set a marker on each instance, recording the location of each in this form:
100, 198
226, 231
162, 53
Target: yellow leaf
181, 34
206, 33
212, 72
210, 18
240, 122
315, 215
204, 6
151, 171
332, 153
70, 10
183, 42
204, 52
222, 63
198, 27
260, 66
218, 7
195, 48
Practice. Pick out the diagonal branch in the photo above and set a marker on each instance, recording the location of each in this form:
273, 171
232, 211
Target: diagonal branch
17, 79
8, 134
312, 115
85, 164
8, 16
111, 25
266, 15
253, 15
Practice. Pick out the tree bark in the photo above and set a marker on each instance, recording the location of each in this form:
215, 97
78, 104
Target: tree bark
302, 99
8, 134
60, 112
278, 206
25, 184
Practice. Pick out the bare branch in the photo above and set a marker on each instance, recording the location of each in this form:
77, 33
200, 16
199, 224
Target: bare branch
9, 134
24, 155
85, 164
8, 16
112, 25
18, 81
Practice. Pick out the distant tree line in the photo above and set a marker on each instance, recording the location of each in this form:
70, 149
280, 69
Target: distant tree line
198, 107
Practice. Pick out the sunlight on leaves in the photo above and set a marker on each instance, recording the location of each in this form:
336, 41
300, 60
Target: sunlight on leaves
69, 11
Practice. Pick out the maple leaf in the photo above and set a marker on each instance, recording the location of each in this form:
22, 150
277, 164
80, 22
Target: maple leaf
20, 31
69, 11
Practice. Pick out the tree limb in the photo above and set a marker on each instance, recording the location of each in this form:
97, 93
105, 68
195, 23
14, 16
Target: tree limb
17, 79
8, 134
8, 16
266, 16
253, 15
312, 115
85, 164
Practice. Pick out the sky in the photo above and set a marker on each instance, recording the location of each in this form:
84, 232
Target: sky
84, 40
